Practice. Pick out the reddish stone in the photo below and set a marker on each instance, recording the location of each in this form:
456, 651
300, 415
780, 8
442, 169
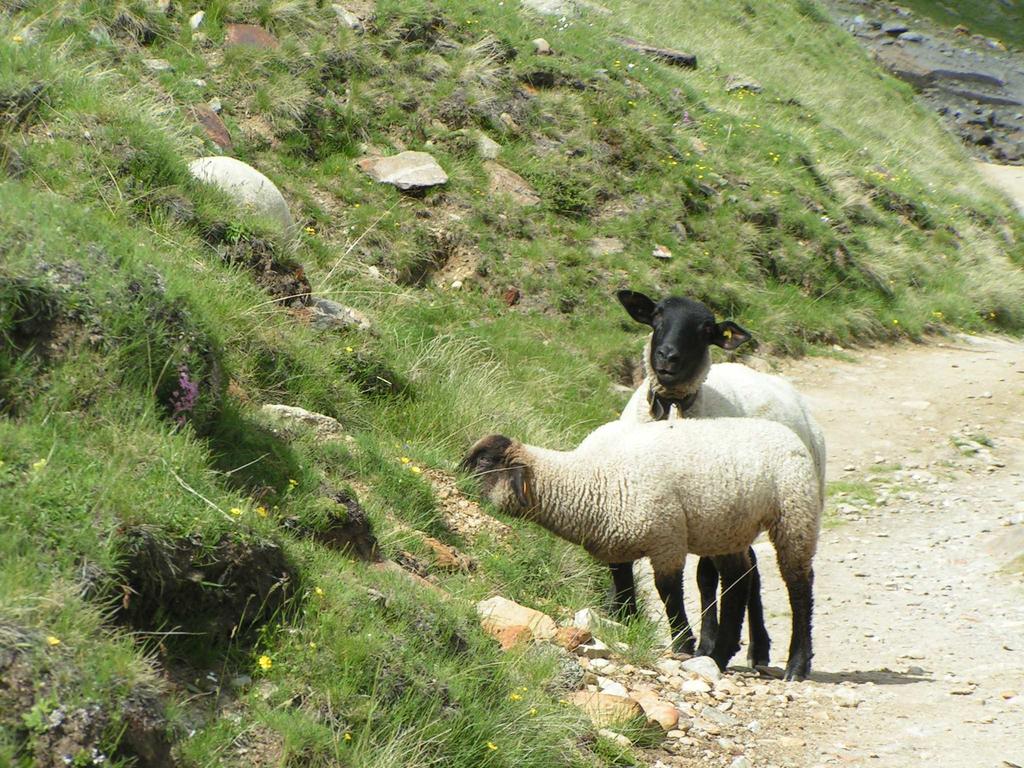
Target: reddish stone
447, 558
213, 126
512, 296
249, 34
572, 638
510, 637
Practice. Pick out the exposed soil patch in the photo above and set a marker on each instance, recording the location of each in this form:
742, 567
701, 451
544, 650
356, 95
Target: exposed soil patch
282, 278
344, 526
53, 734
220, 591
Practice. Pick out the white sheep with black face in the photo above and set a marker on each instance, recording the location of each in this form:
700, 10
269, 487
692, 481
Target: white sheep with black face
680, 380
665, 489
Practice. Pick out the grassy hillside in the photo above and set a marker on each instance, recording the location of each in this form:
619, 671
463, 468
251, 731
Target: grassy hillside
1003, 20
169, 560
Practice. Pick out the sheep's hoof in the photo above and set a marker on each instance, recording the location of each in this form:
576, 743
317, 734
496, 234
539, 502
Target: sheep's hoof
758, 658
706, 648
684, 646
797, 672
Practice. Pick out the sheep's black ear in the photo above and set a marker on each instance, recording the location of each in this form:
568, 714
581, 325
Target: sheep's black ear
728, 335
639, 306
520, 486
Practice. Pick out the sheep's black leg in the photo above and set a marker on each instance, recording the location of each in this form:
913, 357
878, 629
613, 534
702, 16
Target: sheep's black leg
735, 573
759, 651
670, 588
624, 590
707, 583
800, 585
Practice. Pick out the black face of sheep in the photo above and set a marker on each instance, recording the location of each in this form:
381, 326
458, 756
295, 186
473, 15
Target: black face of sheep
683, 331
489, 461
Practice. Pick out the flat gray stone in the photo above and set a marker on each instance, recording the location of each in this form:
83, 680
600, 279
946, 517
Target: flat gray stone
504, 182
487, 147
327, 314
247, 187
406, 170
348, 18
324, 426
704, 666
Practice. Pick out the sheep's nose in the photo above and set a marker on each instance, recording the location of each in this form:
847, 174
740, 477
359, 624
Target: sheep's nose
667, 358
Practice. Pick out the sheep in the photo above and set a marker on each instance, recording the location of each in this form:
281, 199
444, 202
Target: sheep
679, 378
665, 489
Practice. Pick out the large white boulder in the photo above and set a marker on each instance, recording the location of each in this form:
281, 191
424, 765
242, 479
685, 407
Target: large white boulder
248, 187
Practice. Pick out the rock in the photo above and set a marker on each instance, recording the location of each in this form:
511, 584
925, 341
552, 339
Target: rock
506, 182
847, 697
668, 55
661, 252
324, 426
718, 717
212, 126
327, 314
613, 687
247, 187
657, 711
695, 686
510, 637
542, 47
593, 649
588, 618
605, 246
704, 666
894, 28
448, 558
158, 65
552, 7
406, 170
349, 19
487, 147
498, 612
668, 667
740, 762
604, 709
196, 20
215, 105
572, 638
735, 83
912, 37
618, 738
249, 35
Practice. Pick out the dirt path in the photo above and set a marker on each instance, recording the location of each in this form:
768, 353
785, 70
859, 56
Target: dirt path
917, 606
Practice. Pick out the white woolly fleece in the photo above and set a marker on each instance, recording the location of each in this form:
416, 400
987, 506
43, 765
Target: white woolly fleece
732, 390
665, 489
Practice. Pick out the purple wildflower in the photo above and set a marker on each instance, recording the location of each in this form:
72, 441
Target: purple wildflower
184, 398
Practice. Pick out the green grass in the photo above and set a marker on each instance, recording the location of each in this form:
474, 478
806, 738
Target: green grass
1003, 20
827, 209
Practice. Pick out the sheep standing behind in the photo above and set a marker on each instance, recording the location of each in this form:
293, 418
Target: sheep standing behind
665, 489
680, 378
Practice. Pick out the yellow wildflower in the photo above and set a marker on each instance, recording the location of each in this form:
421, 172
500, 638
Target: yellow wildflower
349, 350
348, 737
514, 697
533, 711
895, 321
310, 231
261, 511
319, 591
38, 466
236, 511
415, 470
265, 662
17, 39
405, 459
51, 640
491, 745
292, 482
312, 646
